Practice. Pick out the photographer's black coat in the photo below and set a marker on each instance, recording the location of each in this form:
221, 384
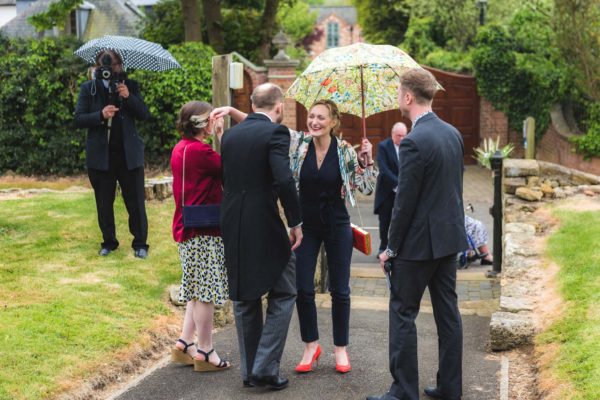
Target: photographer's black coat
88, 114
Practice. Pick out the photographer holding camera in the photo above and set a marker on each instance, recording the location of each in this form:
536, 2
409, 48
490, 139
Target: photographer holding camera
107, 105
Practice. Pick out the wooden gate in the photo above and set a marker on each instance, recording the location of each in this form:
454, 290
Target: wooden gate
457, 105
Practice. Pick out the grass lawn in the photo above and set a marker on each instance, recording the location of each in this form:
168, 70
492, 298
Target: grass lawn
576, 249
64, 311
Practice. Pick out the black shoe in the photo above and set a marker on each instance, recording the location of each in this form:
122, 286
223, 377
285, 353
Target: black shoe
141, 253
247, 384
104, 251
273, 382
485, 261
435, 393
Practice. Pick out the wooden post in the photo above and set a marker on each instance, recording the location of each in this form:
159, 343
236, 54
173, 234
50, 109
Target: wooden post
220, 87
529, 137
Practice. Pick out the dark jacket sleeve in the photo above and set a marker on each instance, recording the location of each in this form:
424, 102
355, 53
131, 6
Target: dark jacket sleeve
85, 117
279, 160
384, 162
410, 179
135, 102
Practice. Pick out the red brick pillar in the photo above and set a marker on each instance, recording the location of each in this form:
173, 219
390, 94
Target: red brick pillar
281, 70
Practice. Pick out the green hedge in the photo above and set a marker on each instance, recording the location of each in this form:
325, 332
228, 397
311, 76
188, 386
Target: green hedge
519, 70
39, 87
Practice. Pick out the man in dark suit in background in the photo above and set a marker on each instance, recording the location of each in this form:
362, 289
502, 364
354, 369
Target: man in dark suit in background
387, 180
258, 254
114, 151
426, 232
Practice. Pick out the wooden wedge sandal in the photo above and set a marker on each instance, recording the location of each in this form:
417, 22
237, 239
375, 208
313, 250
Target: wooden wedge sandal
182, 356
207, 366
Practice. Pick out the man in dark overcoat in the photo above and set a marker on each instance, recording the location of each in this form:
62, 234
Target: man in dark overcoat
426, 233
114, 152
387, 180
258, 251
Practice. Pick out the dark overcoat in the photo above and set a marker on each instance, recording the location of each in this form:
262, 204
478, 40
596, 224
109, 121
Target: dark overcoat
387, 162
88, 114
256, 173
428, 218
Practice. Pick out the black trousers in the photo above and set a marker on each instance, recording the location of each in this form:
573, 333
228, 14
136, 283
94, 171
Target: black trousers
338, 247
132, 188
385, 216
409, 280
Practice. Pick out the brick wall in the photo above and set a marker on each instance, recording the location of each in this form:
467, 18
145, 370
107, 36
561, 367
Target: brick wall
553, 147
348, 34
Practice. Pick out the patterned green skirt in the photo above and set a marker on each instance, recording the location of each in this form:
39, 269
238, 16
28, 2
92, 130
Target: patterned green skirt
204, 276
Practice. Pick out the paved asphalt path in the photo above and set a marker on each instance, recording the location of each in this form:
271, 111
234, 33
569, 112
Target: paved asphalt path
368, 354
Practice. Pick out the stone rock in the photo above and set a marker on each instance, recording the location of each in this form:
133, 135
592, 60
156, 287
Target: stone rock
519, 244
589, 188
559, 193
554, 184
515, 304
556, 172
511, 184
547, 190
589, 193
516, 267
223, 314
149, 192
583, 178
569, 190
510, 330
163, 190
529, 194
521, 228
514, 168
533, 181
174, 295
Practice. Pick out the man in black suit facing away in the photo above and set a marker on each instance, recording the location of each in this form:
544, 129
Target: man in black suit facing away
387, 161
426, 232
258, 253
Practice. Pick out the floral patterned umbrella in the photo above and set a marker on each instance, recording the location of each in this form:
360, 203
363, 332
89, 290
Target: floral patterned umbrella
362, 79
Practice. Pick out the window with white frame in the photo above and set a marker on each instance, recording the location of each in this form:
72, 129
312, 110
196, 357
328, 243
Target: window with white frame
333, 34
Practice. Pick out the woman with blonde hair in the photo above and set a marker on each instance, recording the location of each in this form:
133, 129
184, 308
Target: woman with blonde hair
196, 169
327, 171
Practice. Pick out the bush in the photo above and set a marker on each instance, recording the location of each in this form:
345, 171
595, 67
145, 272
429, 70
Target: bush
37, 97
165, 92
519, 70
589, 144
39, 90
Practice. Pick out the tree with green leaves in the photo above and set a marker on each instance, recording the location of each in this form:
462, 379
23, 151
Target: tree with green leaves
55, 16
383, 21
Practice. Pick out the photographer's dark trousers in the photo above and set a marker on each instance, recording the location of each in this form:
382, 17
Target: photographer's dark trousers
409, 280
132, 189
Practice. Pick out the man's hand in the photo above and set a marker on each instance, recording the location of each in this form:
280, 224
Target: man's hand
109, 111
219, 112
122, 90
295, 237
382, 259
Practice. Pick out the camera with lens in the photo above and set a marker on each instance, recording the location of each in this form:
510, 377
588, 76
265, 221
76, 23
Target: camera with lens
105, 71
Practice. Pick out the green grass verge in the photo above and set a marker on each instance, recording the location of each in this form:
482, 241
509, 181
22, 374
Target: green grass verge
576, 249
64, 309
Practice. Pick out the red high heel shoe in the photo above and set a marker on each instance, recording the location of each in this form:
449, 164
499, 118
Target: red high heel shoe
303, 368
342, 369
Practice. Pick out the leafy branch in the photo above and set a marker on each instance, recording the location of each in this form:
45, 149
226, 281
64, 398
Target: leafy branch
56, 15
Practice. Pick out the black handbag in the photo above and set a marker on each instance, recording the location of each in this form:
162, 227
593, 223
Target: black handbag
200, 215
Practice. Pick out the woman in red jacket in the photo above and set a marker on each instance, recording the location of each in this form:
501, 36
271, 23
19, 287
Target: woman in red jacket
204, 279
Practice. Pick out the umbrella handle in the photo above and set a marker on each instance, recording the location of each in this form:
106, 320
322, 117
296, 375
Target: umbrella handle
362, 102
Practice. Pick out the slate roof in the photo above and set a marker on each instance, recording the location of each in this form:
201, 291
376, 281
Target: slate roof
109, 17
347, 13
8, 2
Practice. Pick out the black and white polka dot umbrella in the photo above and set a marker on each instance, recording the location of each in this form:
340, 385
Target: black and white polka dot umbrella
136, 53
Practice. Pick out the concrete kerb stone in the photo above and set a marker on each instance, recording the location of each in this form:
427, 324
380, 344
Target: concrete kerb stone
509, 330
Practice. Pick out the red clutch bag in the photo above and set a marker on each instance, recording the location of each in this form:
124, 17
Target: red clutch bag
361, 239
